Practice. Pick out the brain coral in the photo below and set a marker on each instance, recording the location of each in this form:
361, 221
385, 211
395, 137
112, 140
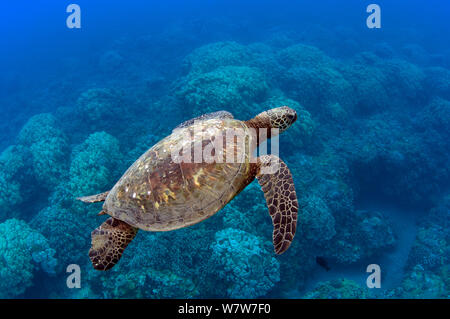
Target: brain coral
245, 263
23, 251
234, 88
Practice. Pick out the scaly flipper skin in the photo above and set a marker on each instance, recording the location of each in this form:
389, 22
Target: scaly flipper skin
109, 241
94, 198
279, 191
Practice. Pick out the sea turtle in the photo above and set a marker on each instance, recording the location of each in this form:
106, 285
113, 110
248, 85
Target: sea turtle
160, 192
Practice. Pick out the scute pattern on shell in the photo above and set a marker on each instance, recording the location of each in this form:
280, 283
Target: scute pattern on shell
158, 194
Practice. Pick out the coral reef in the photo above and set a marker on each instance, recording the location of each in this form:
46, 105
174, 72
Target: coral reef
211, 56
224, 88
372, 127
338, 289
23, 251
12, 168
244, 263
48, 147
428, 260
93, 162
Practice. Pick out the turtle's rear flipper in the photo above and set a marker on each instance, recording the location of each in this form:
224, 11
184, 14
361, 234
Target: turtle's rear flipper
109, 241
94, 198
278, 187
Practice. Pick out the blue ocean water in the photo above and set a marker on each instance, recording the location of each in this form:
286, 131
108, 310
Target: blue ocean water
369, 152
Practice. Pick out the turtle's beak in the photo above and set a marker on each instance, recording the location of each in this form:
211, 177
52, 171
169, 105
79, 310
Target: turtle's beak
292, 117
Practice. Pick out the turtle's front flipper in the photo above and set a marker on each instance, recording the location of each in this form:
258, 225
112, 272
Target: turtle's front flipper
94, 198
109, 241
278, 187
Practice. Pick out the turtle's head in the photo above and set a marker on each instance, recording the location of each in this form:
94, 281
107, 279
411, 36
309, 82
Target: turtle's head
281, 117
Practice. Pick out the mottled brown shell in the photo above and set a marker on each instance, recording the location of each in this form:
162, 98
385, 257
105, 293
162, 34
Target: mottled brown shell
158, 194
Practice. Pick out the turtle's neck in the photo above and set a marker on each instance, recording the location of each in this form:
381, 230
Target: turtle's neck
260, 123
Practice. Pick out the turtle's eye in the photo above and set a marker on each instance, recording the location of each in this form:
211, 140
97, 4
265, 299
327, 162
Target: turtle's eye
292, 117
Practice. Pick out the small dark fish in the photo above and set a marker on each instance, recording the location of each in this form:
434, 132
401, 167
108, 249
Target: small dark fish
322, 262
